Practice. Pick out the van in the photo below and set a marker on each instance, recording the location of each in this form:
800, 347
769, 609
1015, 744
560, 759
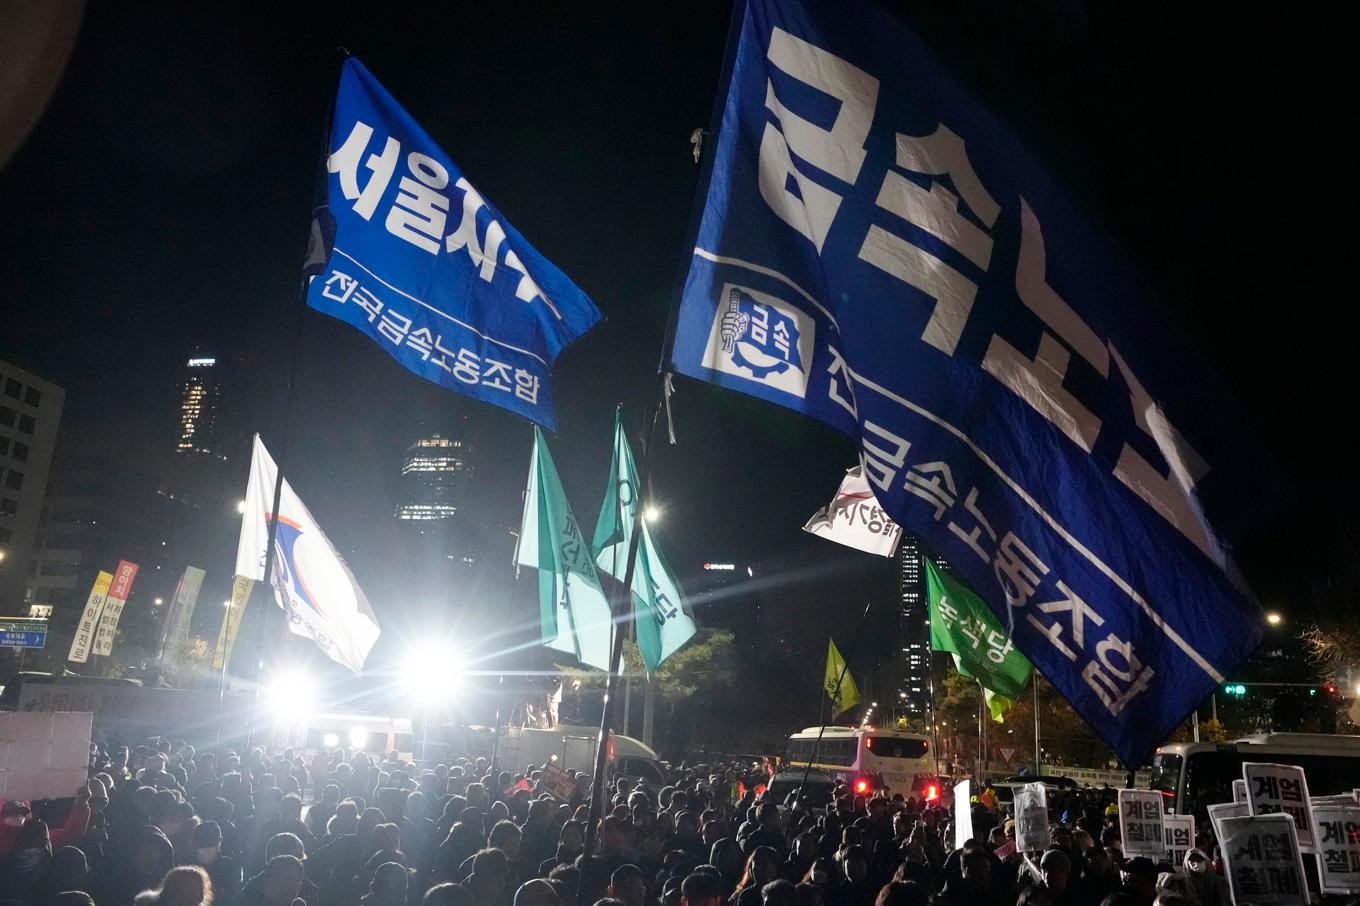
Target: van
572, 748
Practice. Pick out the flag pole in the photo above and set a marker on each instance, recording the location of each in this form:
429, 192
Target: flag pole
835, 697
1037, 749
622, 600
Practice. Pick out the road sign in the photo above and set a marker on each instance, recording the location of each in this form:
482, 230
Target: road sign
22, 632
1007, 753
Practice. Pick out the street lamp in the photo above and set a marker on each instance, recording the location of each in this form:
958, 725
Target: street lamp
651, 513
240, 506
1274, 618
159, 601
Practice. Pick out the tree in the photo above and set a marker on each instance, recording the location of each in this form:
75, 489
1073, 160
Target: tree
687, 686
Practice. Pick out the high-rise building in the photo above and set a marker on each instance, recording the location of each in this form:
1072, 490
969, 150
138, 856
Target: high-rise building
30, 410
435, 477
914, 631
201, 431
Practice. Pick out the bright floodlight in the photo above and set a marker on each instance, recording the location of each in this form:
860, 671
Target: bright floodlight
430, 674
358, 737
291, 696
331, 740
1274, 619
651, 513
240, 506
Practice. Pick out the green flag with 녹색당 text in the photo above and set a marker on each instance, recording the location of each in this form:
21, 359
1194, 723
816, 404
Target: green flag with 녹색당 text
963, 625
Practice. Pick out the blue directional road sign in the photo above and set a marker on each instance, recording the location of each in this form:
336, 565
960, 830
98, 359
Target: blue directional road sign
19, 632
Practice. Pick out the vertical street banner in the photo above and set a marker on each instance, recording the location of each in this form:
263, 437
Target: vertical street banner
574, 614
963, 625
855, 519
1338, 841
89, 619
1031, 818
963, 813
177, 620
1275, 788
664, 621
231, 621
119, 590
1140, 823
428, 269
312, 583
1179, 831
879, 252
1263, 862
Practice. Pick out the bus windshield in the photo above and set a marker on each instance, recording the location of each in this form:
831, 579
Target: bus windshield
1166, 772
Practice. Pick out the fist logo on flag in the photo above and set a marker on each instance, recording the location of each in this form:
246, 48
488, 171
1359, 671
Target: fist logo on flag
761, 338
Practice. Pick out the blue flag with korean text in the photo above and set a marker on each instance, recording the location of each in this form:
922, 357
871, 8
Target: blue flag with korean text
429, 269
878, 252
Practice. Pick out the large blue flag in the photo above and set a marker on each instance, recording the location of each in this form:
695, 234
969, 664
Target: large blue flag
429, 269
878, 252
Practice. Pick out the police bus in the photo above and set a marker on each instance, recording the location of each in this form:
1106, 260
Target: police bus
868, 759
1193, 775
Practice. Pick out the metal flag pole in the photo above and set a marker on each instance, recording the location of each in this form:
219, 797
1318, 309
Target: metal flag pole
1038, 750
835, 693
620, 605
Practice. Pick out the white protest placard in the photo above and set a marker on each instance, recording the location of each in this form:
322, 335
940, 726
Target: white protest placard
1239, 791
1217, 813
963, 814
1280, 788
1140, 823
1264, 866
1179, 831
1031, 818
1338, 842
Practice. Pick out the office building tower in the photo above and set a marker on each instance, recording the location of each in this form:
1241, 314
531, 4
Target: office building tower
30, 411
201, 431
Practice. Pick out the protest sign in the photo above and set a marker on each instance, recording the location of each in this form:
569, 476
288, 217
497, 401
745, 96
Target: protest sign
1280, 788
1264, 867
1140, 823
1031, 818
1179, 831
1338, 843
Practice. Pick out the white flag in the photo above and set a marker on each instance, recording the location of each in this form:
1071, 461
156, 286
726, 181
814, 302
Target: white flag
855, 519
311, 582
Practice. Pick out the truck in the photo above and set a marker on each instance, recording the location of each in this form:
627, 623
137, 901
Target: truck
572, 748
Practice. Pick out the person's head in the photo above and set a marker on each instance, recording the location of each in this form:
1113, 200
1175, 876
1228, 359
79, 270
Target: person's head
627, 885
778, 893
291, 809
700, 889
1056, 867
387, 837
762, 867
1195, 863
207, 842
1139, 876
187, 885
490, 870
284, 845
809, 894
976, 867
571, 838
855, 862
72, 898
726, 855
282, 879
152, 856
389, 884
505, 836
821, 872
447, 895
69, 867
537, 892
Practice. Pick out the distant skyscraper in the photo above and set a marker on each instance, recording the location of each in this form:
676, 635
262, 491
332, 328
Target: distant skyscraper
914, 622
30, 409
434, 480
200, 403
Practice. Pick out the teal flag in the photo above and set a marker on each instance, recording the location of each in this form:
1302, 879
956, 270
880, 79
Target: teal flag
664, 621
963, 625
574, 613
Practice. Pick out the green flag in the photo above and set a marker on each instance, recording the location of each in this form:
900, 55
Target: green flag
664, 621
963, 625
847, 696
574, 614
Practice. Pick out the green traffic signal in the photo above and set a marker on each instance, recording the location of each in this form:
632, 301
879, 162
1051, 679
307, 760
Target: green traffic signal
1235, 689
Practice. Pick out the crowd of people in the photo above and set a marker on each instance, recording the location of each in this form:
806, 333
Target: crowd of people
165, 825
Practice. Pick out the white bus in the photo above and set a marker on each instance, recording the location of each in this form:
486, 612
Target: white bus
1193, 775
868, 759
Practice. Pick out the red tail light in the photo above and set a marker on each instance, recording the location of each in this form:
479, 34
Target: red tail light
861, 786
932, 793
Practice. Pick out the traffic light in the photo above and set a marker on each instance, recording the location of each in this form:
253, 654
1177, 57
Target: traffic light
1235, 689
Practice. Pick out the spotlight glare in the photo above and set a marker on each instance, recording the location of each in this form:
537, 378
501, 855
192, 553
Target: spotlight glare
431, 674
291, 696
331, 740
358, 737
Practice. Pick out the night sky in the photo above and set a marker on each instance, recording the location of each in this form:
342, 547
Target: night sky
162, 203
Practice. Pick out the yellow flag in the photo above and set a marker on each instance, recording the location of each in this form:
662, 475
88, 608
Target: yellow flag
847, 696
231, 621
